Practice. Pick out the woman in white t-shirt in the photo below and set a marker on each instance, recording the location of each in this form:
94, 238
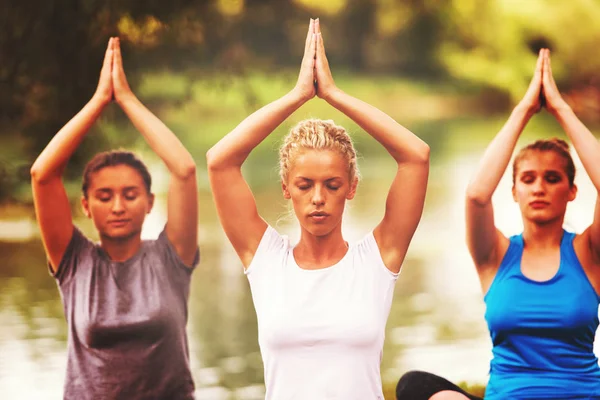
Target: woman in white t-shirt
321, 304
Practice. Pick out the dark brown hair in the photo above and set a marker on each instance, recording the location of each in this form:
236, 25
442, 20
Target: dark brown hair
555, 145
110, 159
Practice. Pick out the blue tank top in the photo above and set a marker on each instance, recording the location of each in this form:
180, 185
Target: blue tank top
542, 332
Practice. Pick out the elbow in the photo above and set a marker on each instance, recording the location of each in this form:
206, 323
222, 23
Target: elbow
187, 170
219, 159
215, 161
38, 175
423, 152
212, 161
34, 173
476, 197
419, 154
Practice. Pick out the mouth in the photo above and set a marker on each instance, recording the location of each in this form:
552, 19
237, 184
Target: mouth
539, 204
117, 223
318, 216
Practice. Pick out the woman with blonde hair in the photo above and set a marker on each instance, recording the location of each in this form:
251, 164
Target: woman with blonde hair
125, 299
542, 286
321, 304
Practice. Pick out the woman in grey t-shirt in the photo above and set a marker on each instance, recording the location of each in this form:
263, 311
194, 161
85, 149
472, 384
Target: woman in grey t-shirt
125, 300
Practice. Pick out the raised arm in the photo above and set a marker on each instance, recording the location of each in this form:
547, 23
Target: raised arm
182, 200
584, 142
406, 197
485, 242
49, 196
235, 203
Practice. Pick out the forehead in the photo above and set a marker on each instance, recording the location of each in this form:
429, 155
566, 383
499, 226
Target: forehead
540, 161
319, 164
115, 177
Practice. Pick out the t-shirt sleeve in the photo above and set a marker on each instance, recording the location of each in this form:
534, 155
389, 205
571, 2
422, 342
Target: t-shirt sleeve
369, 251
271, 249
169, 255
383, 279
77, 247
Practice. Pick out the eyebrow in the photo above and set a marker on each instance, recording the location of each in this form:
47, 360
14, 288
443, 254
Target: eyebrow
548, 171
109, 190
326, 180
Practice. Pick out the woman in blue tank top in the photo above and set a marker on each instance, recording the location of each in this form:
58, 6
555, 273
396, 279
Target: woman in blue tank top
541, 287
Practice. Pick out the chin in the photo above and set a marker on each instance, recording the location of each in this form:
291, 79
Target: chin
120, 235
317, 230
542, 219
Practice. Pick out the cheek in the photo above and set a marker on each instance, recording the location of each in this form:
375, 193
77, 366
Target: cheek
97, 208
140, 207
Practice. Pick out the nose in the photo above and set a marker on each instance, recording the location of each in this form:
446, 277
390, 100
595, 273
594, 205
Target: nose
539, 186
318, 197
118, 205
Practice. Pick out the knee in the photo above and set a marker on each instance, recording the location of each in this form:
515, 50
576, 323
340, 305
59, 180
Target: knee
410, 383
448, 395
413, 376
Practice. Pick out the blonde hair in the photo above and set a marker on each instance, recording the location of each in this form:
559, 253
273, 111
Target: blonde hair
317, 134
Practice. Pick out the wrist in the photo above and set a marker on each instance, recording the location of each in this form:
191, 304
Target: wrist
298, 96
525, 111
560, 110
332, 95
99, 101
126, 99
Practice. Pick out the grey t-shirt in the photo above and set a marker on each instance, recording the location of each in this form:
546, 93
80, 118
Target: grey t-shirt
126, 320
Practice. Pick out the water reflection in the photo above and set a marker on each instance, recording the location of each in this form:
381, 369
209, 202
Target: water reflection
436, 322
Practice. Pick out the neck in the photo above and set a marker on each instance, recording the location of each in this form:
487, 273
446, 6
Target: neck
542, 236
121, 249
322, 248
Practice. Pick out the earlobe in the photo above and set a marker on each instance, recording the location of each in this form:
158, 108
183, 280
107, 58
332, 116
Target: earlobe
286, 192
573, 193
150, 202
352, 191
85, 207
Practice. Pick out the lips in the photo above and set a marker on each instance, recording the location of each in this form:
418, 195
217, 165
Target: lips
539, 204
117, 223
318, 216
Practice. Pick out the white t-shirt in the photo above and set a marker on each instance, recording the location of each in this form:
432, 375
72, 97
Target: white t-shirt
321, 332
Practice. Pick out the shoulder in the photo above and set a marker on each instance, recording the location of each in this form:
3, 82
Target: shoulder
163, 249
366, 252
273, 248
80, 252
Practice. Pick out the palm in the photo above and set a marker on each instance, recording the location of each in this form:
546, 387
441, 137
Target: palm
104, 91
306, 80
325, 83
119, 80
532, 98
554, 100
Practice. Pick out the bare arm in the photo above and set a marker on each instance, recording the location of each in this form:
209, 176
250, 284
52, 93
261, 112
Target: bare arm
406, 197
585, 144
235, 203
182, 201
49, 196
484, 240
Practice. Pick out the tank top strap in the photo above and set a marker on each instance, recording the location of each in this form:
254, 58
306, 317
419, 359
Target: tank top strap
570, 263
511, 261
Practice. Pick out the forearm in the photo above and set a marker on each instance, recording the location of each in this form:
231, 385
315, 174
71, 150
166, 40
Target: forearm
53, 159
235, 147
159, 137
401, 143
496, 157
583, 140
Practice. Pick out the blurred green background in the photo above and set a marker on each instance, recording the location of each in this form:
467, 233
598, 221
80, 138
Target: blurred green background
449, 70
